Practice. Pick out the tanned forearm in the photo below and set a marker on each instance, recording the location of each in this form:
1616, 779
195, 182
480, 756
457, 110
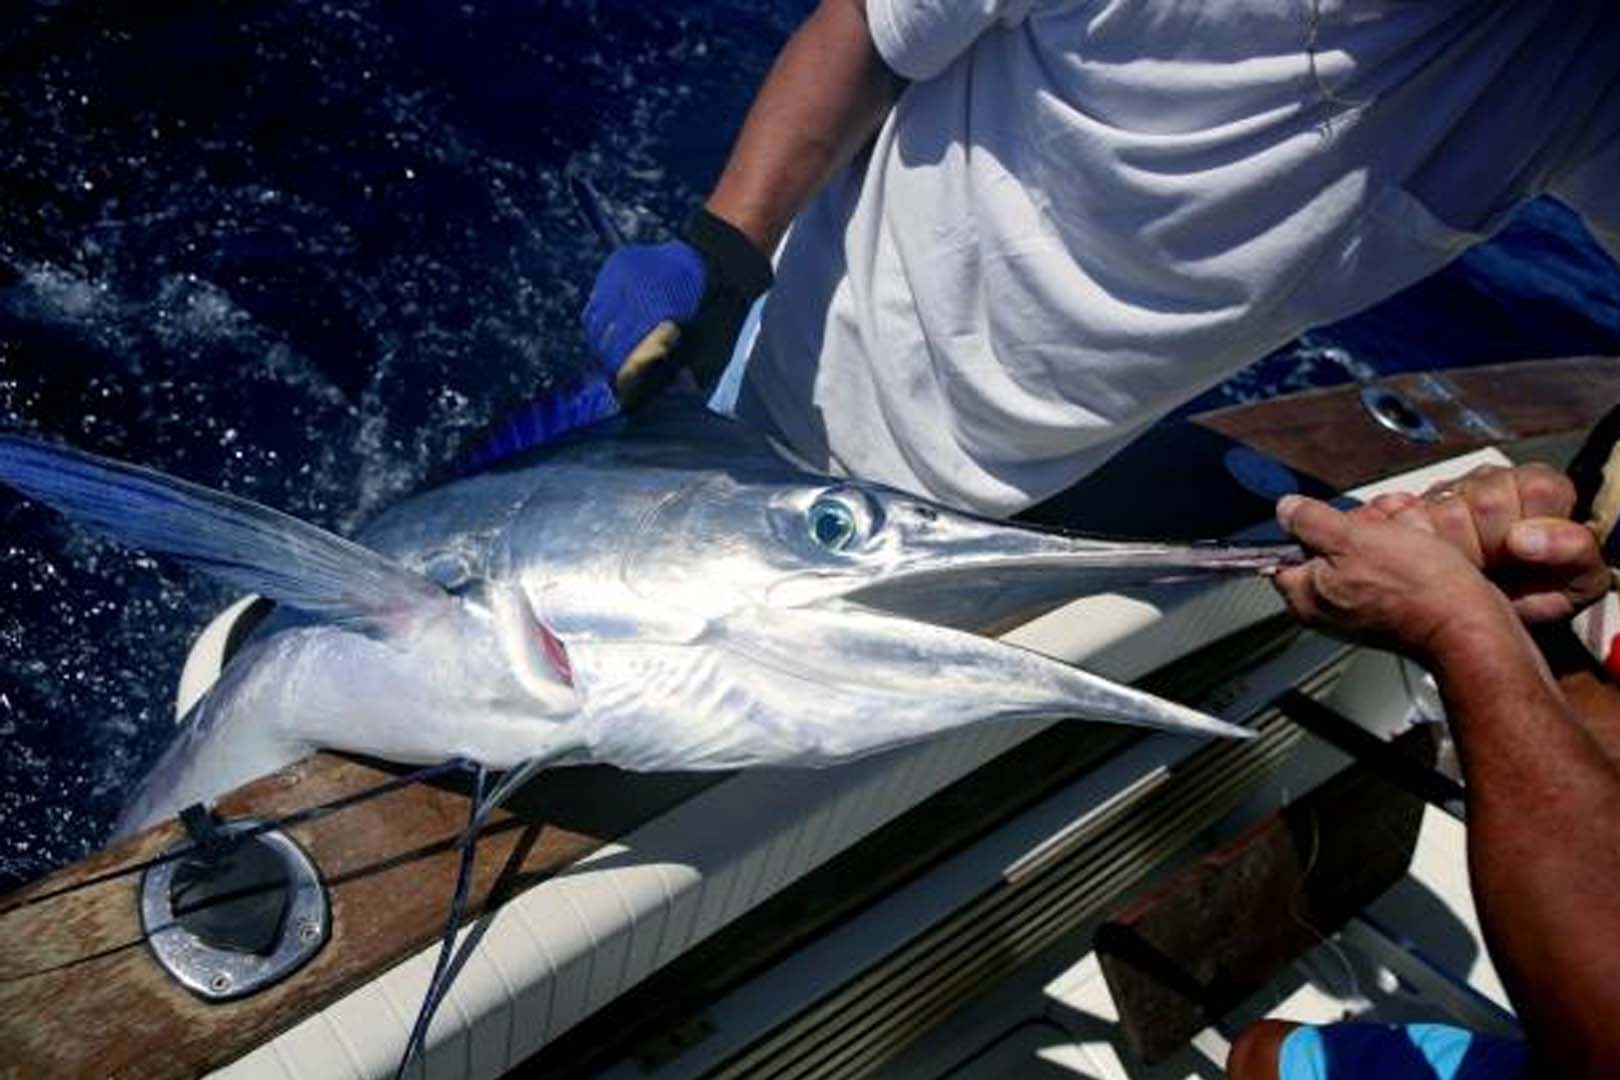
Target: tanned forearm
1591, 693
1543, 843
824, 98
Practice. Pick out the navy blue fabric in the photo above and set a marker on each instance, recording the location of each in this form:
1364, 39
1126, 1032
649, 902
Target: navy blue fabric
1352, 1051
638, 288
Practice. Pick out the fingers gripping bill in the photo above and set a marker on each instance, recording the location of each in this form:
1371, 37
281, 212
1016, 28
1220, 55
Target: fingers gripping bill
1595, 472
1514, 524
1374, 580
1321, 529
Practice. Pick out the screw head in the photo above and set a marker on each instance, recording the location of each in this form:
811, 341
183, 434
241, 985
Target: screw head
219, 983
309, 931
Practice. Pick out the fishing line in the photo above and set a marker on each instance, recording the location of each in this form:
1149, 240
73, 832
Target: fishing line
1354, 983
297, 817
439, 984
480, 808
446, 967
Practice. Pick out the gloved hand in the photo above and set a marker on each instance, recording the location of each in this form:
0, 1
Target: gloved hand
643, 294
657, 308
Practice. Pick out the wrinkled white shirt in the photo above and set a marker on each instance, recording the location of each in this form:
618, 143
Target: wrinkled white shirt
1080, 215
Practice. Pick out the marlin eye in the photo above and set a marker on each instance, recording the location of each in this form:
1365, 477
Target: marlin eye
832, 524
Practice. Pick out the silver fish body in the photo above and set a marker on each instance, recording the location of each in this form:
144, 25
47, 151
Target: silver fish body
664, 592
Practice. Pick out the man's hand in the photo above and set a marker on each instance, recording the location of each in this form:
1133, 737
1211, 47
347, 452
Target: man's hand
658, 308
1514, 525
1376, 580
643, 295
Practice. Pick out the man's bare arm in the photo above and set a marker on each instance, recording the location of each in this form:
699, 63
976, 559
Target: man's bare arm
1544, 800
824, 98
1514, 524
1543, 844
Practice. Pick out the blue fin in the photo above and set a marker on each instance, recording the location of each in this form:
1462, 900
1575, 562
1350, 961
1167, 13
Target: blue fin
236, 540
542, 422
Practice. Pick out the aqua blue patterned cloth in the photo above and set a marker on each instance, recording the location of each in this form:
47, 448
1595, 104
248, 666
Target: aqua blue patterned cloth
1399, 1052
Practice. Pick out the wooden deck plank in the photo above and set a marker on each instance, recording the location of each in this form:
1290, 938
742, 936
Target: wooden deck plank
1327, 434
80, 994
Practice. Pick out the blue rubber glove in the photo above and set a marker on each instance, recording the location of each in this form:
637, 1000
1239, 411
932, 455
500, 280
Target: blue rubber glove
638, 289
659, 309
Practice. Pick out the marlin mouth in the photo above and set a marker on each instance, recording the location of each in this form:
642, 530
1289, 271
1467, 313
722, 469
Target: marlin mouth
914, 622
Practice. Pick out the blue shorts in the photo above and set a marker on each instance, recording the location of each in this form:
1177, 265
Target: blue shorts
1398, 1052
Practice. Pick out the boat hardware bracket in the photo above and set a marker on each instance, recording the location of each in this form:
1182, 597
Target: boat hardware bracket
1396, 413
236, 915
1390, 409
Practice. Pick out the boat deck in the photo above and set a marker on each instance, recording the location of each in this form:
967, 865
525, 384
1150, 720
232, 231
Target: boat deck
1414, 955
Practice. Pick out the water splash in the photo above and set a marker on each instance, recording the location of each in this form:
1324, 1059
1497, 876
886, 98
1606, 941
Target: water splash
303, 253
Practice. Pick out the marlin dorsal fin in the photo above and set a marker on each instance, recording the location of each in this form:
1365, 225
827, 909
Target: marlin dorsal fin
565, 410
236, 540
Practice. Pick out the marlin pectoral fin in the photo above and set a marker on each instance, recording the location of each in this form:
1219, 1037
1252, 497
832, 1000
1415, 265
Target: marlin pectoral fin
933, 678
236, 540
1128, 705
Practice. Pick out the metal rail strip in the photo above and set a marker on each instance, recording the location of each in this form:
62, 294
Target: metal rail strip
853, 1030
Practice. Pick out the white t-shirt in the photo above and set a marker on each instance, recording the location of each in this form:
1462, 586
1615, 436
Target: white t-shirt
1082, 214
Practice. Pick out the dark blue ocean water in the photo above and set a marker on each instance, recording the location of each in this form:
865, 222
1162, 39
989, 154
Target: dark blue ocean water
303, 251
